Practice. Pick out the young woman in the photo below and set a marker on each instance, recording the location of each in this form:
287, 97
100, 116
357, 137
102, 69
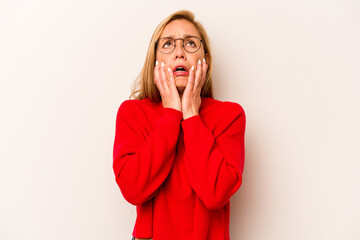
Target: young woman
178, 152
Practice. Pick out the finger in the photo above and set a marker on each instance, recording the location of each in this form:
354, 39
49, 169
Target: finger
198, 75
171, 79
204, 71
191, 80
164, 80
157, 77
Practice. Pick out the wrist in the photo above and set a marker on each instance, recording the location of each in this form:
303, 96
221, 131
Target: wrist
189, 115
172, 105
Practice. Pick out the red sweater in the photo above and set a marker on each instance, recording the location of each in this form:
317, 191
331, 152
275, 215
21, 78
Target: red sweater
179, 173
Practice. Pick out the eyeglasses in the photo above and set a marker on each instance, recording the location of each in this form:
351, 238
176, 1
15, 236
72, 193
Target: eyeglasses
167, 45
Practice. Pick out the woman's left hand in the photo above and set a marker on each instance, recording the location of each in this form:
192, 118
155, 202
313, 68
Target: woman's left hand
191, 99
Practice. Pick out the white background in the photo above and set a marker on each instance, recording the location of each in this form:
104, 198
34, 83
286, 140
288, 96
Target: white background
66, 66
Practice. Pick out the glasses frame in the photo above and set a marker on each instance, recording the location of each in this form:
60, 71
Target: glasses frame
183, 41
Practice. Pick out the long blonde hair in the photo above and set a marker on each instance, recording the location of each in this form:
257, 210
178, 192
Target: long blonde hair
144, 86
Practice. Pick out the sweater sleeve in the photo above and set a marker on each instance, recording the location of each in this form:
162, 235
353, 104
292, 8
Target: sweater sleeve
143, 157
215, 166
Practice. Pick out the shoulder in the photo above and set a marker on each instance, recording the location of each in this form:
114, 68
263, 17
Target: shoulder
219, 115
131, 103
142, 111
135, 107
213, 106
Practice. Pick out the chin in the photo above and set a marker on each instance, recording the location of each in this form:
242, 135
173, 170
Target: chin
181, 82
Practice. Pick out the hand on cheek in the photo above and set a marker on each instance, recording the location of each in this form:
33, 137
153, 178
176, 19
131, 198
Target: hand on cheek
165, 82
191, 99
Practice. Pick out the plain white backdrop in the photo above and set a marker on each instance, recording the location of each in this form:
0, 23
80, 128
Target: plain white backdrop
66, 66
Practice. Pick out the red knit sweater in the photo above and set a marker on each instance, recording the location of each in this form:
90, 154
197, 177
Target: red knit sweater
180, 174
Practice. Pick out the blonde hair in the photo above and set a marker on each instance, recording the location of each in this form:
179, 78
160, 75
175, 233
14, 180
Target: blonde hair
144, 86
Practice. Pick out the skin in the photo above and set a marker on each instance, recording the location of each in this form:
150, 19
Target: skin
181, 92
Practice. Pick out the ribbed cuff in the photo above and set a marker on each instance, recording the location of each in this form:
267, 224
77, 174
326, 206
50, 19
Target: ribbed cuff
192, 123
171, 120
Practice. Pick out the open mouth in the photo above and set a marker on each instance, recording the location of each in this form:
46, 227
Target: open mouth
180, 71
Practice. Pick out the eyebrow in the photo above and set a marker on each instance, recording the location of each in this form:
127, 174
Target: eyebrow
185, 35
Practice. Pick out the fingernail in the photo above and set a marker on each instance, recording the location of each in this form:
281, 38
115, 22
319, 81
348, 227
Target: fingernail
169, 70
199, 62
192, 68
156, 63
162, 64
204, 60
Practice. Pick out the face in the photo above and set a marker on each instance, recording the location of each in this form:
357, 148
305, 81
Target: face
180, 57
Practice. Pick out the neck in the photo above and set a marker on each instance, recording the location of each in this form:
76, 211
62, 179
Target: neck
181, 91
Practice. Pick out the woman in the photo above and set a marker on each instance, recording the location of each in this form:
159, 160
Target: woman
179, 153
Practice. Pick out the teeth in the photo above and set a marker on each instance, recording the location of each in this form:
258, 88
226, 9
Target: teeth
180, 69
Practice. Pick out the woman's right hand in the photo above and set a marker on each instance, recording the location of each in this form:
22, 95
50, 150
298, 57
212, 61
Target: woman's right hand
165, 82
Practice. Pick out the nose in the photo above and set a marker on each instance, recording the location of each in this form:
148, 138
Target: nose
179, 51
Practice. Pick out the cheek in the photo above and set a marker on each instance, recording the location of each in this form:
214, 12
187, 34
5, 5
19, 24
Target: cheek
161, 58
198, 57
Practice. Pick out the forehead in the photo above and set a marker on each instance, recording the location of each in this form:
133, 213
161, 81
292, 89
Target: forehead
180, 28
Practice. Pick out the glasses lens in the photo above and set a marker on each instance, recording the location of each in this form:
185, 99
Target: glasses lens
191, 44
166, 45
